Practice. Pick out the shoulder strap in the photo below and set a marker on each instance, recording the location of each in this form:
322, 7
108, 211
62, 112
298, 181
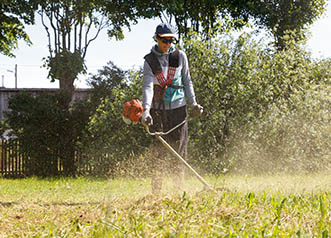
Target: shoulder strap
174, 59
154, 63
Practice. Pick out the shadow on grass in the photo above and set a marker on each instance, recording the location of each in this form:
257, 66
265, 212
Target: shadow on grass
7, 204
70, 204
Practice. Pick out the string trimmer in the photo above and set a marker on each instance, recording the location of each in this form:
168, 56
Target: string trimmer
132, 112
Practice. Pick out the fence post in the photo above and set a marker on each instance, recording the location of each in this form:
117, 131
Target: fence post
11, 160
1, 157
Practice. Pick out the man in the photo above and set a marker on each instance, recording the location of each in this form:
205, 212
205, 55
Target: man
167, 88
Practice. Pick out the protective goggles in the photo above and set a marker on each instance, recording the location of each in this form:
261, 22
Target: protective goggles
167, 41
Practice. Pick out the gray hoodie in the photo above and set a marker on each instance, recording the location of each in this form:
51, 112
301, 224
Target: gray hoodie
182, 77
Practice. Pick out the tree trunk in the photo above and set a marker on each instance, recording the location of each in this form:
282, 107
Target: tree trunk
68, 149
67, 87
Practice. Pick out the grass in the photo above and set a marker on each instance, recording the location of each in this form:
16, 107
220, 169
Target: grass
265, 206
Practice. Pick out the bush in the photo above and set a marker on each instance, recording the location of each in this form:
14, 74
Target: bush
109, 141
47, 133
291, 137
237, 81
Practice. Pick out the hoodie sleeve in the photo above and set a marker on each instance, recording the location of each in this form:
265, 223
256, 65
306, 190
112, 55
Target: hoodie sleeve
188, 85
148, 79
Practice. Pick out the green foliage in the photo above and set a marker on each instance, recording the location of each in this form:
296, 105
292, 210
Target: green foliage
107, 79
14, 14
206, 17
283, 16
71, 27
72, 22
240, 82
209, 17
109, 140
251, 93
65, 65
237, 81
45, 130
293, 136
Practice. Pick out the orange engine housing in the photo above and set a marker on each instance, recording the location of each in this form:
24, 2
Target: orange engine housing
133, 110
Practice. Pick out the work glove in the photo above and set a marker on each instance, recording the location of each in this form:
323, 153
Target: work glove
197, 110
147, 118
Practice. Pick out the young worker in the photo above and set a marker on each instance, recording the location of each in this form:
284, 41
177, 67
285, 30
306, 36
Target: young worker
167, 89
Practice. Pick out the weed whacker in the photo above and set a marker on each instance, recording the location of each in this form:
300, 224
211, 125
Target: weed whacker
132, 112
159, 135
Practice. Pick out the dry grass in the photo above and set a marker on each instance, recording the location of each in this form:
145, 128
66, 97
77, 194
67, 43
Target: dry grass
278, 205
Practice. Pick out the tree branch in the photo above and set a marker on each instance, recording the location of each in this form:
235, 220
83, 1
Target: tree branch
68, 26
88, 29
48, 34
102, 25
50, 18
58, 29
75, 36
80, 31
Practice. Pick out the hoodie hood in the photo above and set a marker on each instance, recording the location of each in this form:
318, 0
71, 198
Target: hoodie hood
158, 53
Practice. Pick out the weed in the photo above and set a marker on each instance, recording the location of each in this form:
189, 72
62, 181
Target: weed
282, 207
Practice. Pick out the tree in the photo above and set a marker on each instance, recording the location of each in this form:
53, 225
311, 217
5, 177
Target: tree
205, 17
109, 141
107, 79
71, 26
13, 15
283, 16
208, 17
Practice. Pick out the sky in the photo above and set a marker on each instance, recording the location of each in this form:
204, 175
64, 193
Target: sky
126, 54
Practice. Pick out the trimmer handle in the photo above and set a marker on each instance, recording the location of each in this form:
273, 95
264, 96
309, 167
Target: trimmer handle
161, 133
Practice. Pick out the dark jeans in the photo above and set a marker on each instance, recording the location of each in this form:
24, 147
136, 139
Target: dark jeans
163, 161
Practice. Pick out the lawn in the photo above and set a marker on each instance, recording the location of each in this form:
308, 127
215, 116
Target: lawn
248, 206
